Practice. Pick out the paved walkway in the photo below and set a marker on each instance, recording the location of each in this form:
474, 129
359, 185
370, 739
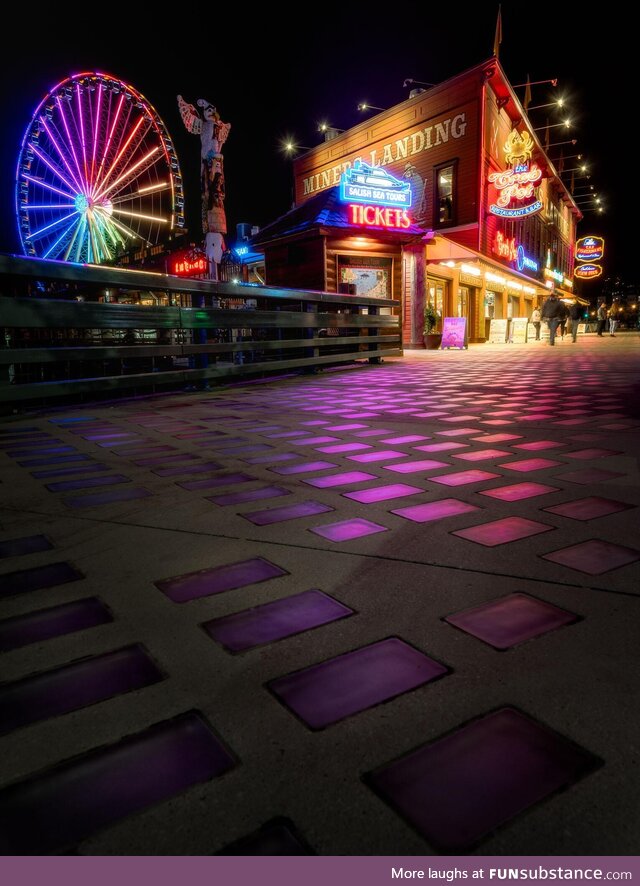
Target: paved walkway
384, 610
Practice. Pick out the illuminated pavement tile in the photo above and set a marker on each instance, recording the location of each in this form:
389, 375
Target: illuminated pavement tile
454, 418
382, 455
530, 464
275, 621
37, 578
591, 453
287, 435
506, 761
345, 478
373, 432
84, 794
383, 493
312, 441
342, 686
88, 483
435, 510
518, 491
482, 454
54, 622
238, 498
539, 444
165, 459
429, 414
497, 422
106, 498
28, 544
413, 467
179, 470
65, 472
53, 460
72, 420
204, 434
463, 478
589, 475
32, 444
511, 620
441, 447
589, 508
229, 443
206, 582
504, 531
274, 838
304, 467
110, 436
47, 450
406, 438
288, 512
458, 432
594, 557
271, 459
142, 450
361, 414
213, 482
346, 530
344, 447
74, 686
243, 450
318, 422
349, 427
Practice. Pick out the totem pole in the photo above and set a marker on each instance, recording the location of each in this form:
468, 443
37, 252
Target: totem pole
213, 134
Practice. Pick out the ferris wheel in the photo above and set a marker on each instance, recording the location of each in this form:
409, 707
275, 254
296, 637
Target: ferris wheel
97, 173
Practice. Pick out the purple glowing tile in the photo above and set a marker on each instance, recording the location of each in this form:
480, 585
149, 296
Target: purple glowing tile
271, 459
342, 686
519, 491
143, 450
383, 493
75, 686
591, 453
463, 478
539, 444
53, 460
525, 465
49, 450
28, 544
165, 459
108, 436
594, 557
373, 432
213, 482
106, 498
238, 498
72, 420
313, 441
88, 483
458, 432
354, 426
413, 467
405, 438
441, 447
428, 414
511, 620
344, 447
278, 837
84, 794
275, 621
318, 422
65, 472
288, 512
497, 438
589, 475
482, 454
180, 470
209, 435
435, 510
502, 532
346, 530
344, 478
128, 441
54, 622
39, 577
304, 467
506, 761
589, 508
205, 582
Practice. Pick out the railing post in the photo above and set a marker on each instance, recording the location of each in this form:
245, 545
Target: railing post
374, 311
311, 353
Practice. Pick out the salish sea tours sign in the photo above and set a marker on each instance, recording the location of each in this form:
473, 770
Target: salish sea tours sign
517, 185
375, 198
590, 249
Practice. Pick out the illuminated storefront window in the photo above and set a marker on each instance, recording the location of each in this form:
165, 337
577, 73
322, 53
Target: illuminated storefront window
463, 301
436, 296
445, 176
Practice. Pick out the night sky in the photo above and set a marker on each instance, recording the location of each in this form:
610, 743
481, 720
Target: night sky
320, 68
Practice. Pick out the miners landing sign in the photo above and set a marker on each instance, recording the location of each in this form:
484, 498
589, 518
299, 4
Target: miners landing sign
516, 186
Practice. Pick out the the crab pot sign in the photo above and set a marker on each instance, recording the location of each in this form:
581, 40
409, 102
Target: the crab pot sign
517, 185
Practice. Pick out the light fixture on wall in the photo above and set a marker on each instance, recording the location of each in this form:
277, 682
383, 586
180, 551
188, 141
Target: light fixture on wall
365, 106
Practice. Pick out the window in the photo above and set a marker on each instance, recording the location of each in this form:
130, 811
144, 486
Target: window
445, 194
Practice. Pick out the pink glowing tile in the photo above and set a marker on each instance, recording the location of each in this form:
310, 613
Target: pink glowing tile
591, 453
205, 582
383, 493
406, 438
382, 455
538, 444
344, 478
482, 454
511, 620
594, 557
463, 478
372, 432
435, 510
496, 422
289, 512
504, 531
526, 465
428, 414
501, 413
589, 508
353, 426
573, 421
413, 467
441, 447
346, 530
497, 438
304, 467
238, 498
344, 447
518, 491
458, 432
589, 475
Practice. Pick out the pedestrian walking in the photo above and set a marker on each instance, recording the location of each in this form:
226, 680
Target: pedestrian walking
575, 312
602, 318
536, 318
563, 314
552, 312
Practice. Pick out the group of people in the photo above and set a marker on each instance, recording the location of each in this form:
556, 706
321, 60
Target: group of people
555, 313
605, 315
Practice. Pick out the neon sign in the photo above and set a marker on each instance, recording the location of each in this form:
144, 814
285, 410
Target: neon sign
242, 250
590, 249
558, 276
190, 265
517, 186
524, 261
588, 272
379, 216
374, 186
505, 247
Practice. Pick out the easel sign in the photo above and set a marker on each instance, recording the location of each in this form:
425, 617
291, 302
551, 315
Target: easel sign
454, 333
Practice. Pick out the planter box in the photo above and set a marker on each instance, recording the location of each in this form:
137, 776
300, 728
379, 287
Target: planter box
432, 341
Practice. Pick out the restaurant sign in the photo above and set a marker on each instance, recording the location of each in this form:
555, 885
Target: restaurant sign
588, 271
516, 186
589, 249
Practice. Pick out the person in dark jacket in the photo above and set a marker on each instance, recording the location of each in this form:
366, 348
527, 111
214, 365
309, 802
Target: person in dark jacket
602, 318
575, 312
552, 312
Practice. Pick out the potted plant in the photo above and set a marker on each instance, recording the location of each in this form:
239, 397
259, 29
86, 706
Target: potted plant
432, 339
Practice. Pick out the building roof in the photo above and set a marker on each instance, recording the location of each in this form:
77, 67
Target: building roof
324, 210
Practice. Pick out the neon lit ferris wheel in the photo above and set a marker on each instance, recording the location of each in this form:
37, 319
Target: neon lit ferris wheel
97, 173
